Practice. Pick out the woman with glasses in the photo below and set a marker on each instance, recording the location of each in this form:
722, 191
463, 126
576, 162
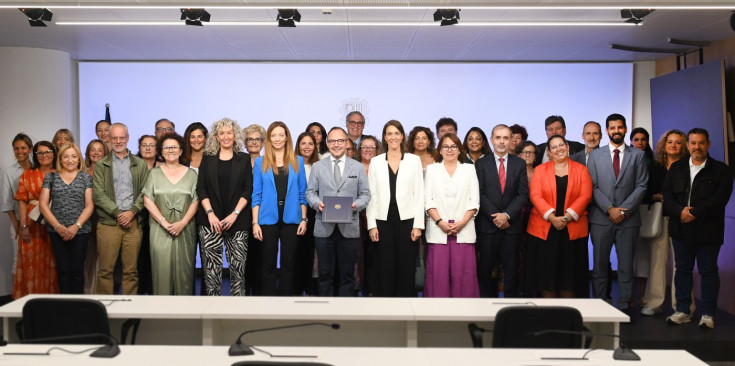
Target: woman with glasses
224, 187
452, 200
147, 150
66, 205
421, 143
395, 213
526, 150
557, 263
36, 269
96, 150
254, 137
320, 134
306, 148
170, 197
475, 145
195, 137
279, 209
350, 150
368, 149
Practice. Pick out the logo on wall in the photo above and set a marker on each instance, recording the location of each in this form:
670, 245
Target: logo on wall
355, 104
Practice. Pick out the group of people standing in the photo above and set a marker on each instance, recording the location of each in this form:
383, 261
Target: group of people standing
487, 214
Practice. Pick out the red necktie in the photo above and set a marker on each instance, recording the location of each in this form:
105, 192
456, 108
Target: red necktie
501, 175
616, 163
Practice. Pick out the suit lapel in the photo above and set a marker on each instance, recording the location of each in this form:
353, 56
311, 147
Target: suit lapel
215, 176
494, 177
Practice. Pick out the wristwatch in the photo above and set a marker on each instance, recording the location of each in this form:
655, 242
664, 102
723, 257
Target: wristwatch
237, 212
304, 219
438, 221
79, 225
208, 211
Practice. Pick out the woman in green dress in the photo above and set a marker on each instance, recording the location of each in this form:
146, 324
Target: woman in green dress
171, 199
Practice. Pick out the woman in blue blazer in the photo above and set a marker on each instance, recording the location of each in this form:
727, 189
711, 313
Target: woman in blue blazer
279, 208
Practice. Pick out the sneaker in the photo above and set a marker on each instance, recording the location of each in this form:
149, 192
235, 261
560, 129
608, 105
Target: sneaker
679, 318
649, 312
707, 322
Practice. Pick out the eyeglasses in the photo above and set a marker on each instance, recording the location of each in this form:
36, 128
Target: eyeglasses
337, 142
253, 139
147, 146
528, 152
356, 123
450, 147
368, 148
170, 148
44, 153
164, 129
350, 149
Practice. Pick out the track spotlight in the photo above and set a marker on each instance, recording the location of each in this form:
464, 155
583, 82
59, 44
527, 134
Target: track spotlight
635, 16
286, 17
447, 16
37, 16
194, 16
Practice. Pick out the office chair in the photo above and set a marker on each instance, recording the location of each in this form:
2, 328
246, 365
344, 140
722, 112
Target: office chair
515, 325
54, 317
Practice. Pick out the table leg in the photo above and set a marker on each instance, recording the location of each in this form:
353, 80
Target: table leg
211, 332
412, 334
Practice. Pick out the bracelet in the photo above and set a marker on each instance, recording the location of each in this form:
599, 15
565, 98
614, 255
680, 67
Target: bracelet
207, 212
79, 225
255, 223
237, 212
438, 221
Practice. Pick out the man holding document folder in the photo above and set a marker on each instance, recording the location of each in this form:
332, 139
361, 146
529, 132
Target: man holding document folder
338, 189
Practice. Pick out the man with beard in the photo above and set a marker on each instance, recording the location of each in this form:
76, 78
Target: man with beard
591, 135
619, 178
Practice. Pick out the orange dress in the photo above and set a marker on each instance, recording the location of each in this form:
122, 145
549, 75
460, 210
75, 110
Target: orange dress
36, 272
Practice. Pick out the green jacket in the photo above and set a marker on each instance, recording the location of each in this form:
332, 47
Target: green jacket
103, 190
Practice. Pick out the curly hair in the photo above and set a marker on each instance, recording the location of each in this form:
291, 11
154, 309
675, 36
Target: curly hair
412, 136
179, 140
212, 145
660, 153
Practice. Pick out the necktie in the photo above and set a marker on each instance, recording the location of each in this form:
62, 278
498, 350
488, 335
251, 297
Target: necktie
337, 173
501, 175
616, 163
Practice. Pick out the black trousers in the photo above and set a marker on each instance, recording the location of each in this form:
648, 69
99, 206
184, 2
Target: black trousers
284, 284
395, 257
503, 247
70, 256
337, 254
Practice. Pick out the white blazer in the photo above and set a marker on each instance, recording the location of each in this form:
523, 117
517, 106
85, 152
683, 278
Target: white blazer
468, 198
409, 190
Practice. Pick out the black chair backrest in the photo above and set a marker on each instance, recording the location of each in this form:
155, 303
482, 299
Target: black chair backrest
57, 317
515, 325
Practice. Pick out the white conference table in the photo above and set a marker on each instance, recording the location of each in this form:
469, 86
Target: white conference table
338, 356
373, 322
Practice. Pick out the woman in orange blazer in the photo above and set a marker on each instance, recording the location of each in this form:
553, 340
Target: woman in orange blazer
556, 254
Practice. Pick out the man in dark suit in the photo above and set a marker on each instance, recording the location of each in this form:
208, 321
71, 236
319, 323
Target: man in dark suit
355, 122
503, 192
591, 135
341, 176
696, 191
619, 179
555, 125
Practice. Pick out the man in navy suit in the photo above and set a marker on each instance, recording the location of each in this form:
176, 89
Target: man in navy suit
341, 176
555, 125
503, 192
619, 178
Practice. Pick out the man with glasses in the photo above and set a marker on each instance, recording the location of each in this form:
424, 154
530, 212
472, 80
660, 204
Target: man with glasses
117, 184
355, 125
163, 126
555, 125
503, 192
337, 176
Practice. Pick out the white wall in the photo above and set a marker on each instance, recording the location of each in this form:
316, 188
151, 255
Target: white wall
36, 98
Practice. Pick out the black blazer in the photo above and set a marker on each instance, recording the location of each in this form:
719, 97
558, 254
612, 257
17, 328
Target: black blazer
208, 187
710, 192
510, 201
574, 147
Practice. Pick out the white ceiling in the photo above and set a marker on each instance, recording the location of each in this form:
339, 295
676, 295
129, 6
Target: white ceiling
363, 43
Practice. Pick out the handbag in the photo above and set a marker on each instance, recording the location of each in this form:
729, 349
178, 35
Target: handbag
651, 220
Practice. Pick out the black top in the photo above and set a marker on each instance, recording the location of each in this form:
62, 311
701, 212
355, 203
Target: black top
224, 176
561, 193
281, 180
392, 177
239, 186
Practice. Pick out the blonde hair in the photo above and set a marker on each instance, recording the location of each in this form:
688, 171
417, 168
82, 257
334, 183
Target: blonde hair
212, 145
80, 161
660, 153
269, 158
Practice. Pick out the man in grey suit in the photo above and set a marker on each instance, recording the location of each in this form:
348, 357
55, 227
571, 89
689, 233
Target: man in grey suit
337, 176
619, 178
591, 135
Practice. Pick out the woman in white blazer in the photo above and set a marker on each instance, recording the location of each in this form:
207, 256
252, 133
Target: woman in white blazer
395, 214
452, 201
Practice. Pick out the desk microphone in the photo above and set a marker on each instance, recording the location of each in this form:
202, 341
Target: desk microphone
109, 350
240, 349
622, 353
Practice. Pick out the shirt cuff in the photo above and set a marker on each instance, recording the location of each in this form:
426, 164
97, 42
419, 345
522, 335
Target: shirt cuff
574, 214
548, 213
508, 216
